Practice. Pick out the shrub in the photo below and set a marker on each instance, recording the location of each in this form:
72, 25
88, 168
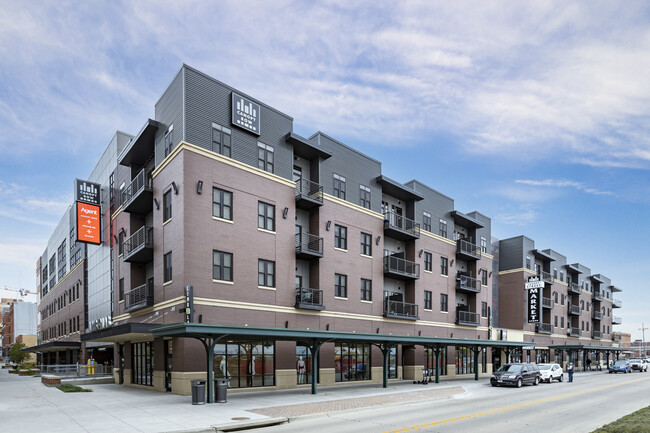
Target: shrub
68, 387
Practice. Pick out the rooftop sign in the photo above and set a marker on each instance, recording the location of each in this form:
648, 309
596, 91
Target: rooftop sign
245, 113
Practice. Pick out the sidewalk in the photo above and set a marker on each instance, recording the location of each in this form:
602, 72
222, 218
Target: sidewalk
28, 406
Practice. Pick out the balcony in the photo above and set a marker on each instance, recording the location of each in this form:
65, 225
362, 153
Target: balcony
574, 309
466, 250
574, 289
309, 299
308, 194
401, 269
616, 336
596, 315
573, 332
308, 246
139, 297
598, 296
616, 303
137, 197
139, 247
617, 320
400, 310
544, 328
467, 318
467, 284
399, 227
545, 276
596, 335
547, 303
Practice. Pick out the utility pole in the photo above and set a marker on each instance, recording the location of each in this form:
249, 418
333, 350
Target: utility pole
642, 329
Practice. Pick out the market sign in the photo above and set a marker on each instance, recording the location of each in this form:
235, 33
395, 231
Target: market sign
88, 223
245, 113
534, 297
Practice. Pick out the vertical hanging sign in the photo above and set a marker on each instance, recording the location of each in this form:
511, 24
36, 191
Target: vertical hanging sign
88, 212
533, 287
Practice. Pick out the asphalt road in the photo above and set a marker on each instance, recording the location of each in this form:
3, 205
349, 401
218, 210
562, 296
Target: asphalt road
591, 401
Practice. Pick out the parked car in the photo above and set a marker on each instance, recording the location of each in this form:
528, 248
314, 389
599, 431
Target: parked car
637, 364
551, 372
621, 365
516, 374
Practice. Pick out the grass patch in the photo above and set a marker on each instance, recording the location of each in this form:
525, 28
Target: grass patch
68, 387
637, 422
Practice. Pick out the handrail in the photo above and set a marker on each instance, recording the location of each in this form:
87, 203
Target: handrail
139, 182
546, 276
466, 247
401, 266
143, 237
467, 317
307, 189
574, 309
402, 223
397, 308
547, 303
306, 242
138, 295
544, 327
467, 282
309, 296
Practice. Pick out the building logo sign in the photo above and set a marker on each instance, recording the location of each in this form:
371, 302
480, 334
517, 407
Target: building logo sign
87, 192
534, 296
245, 113
88, 223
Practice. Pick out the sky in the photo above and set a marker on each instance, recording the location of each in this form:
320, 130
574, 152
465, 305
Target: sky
533, 113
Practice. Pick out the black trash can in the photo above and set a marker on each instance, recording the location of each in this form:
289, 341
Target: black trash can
221, 390
198, 391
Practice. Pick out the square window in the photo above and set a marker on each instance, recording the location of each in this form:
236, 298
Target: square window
340, 237
339, 186
221, 140
364, 196
266, 273
366, 290
443, 302
265, 157
222, 266
444, 266
222, 204
426, 221
266, 216
366, 244
340, 286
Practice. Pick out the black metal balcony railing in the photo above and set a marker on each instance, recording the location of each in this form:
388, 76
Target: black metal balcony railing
467, 250
545, 276
401, 268
573, 332
468, 284
598, 296
467, 318
133, 197
308, 246
597, 335
596, 315
308, 194
574, 288
400, 310
138, 247
547, 303
617, 320
544, 328
617, 303
574, 309
138, 297
311, 299
400, 227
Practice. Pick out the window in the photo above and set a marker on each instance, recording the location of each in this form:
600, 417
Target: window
222, 204
555, 273
142, 363
426, 221
265, 157
168, 267
366, 244
444, 269
221, 266
427, 300
443, 302
484, 278
120, 240
555, 298
561, 275
167, 206
265, 273
527, 262
442, 230
582, 305
587, 326
366, 290
428, 261
562, 322
121, 289
555, 321
587, 306
352, 362
562, 299
266, 216
339, 186
169, 138
465, 360
245, 363
340, 286
364, 196
582, 325
340, 237
221, 140
484, 309
483, 244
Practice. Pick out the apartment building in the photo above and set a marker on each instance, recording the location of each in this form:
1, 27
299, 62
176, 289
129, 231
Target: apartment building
577, 306
18, 318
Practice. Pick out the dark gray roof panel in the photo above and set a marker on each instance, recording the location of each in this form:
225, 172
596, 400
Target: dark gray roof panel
397, 190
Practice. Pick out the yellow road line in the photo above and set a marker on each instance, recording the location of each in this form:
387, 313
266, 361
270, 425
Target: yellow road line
516, 406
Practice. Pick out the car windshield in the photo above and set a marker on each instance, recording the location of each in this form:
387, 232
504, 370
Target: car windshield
511, 368
544, 366
620, 363
635, 360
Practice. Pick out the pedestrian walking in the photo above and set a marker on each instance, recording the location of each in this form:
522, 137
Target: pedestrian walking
569, 369
589, 364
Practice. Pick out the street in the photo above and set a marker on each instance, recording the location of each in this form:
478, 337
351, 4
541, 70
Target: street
591, 401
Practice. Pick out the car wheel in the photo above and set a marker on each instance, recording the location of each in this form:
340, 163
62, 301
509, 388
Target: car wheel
537, 381
519, 383
561, 378
493, 384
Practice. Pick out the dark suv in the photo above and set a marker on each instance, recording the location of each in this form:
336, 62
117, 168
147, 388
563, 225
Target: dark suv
516, 374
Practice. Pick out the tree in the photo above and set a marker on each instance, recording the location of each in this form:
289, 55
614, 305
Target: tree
17, 354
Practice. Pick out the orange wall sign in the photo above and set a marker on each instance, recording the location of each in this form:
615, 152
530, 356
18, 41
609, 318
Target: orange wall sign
88, 223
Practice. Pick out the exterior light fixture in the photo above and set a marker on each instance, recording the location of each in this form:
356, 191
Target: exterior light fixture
175, 188
199, 187
378, 240
420, 254
155, 201
328, 226
285, 213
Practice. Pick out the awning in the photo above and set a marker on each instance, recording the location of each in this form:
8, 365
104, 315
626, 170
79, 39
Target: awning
304, 149
53, 346
543, 256
397, 190
121, 333
465, 220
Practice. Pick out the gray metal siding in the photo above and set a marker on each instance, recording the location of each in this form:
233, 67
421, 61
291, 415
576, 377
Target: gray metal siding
435, 203
356, 168
486, 231
169, 111
208, 101
511, 253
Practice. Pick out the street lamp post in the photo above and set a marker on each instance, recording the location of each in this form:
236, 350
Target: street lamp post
642, 329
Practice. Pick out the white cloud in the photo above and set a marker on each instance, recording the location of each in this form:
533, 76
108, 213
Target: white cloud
522, 216
563, 183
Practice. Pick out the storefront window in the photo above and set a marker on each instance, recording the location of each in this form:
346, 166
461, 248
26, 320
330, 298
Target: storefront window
245, 363
392, 363
430, 359
142, 358
351, 362
465, 360
304, 364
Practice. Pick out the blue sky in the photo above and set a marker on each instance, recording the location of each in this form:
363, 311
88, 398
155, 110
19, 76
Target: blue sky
535, 115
